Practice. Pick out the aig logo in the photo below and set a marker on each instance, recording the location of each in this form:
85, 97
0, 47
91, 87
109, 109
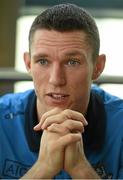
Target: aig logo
14, 169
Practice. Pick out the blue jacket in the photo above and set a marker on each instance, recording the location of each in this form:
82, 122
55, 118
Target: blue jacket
103, 138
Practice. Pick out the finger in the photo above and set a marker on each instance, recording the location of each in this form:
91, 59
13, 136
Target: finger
63, 116
58, 119
68, 139
58, 128
50, 113
75, 115
66, 127
58, 116
37, 127
73, 125
45, 116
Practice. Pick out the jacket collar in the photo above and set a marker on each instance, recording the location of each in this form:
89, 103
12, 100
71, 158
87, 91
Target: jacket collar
94, 135
33, 137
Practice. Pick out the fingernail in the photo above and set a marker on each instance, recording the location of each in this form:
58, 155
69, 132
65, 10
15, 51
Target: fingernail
86, 123
37, 127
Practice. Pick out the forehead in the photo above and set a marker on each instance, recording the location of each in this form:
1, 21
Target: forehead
49, 39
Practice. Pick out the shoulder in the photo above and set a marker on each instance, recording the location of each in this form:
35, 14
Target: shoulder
113, 107
15, 100
108, 99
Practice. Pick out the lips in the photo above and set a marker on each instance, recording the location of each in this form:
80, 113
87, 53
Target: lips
57, 96
54, 99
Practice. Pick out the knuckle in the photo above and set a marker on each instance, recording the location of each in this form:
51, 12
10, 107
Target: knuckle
44, 116
70, 125
66, 130
81, 124
48, 120
53, 125
67, 114
70, 137
66, 111
57, 110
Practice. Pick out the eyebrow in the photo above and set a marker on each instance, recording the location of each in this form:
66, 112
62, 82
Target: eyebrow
76, 53
73, 53
39, 55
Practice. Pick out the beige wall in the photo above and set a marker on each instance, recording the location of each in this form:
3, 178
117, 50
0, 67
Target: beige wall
8, 14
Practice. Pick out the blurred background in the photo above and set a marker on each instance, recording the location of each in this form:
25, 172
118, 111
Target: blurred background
16, 17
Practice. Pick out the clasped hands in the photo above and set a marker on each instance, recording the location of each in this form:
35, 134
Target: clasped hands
61, 145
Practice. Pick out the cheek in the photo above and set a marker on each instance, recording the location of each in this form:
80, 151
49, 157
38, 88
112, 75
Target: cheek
37, 78
40, 80
80, 84
37, 74
80, 78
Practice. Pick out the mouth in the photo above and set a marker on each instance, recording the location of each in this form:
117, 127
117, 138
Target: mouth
57, 96
57, 99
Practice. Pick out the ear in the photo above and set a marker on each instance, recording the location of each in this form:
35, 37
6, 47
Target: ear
27, 61
99, 66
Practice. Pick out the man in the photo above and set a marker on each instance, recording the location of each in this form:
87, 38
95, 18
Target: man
66, 128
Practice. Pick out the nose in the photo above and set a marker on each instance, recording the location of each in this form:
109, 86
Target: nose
57, 75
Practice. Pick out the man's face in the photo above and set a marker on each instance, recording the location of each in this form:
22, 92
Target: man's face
62, 69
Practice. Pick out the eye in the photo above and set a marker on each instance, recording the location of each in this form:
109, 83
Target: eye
73, 62
43, 61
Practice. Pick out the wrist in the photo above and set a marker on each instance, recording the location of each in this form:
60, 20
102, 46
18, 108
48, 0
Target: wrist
84, 171
38, 171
